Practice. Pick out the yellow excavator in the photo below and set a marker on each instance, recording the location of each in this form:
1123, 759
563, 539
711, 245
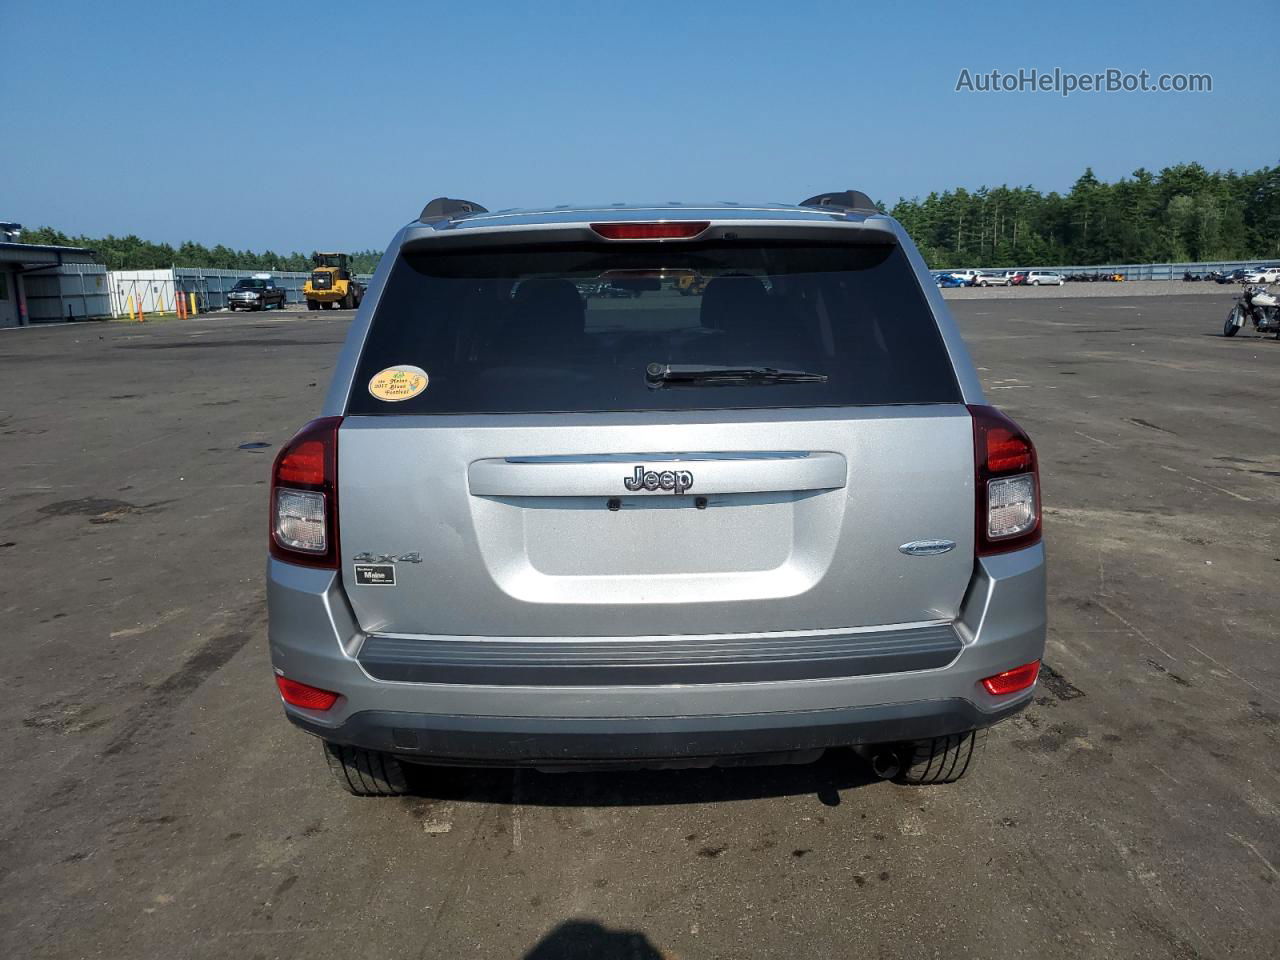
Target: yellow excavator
332, 284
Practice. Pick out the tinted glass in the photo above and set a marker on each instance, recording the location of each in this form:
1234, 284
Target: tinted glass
250, 284
573, 329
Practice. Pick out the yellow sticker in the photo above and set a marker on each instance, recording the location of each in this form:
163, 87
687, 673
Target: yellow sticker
398, 383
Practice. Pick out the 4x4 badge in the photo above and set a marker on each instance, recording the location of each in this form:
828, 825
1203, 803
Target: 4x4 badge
677, 481
414, 557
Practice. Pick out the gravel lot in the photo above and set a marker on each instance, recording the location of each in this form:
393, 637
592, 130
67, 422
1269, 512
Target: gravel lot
156, 803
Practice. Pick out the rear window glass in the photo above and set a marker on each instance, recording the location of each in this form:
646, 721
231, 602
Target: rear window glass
527, 330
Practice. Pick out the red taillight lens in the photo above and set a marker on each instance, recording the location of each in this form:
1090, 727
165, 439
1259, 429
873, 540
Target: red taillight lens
303, 464
683, 230
1011, 681
300, 695
304, 497
1006, 483
1008, 452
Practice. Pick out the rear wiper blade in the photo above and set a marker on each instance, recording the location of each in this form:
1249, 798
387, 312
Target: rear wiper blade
660, 373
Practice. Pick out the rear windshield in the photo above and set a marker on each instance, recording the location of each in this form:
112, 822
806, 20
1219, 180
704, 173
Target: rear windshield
529, 330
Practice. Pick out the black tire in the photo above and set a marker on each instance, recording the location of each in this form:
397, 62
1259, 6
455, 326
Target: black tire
365, 773
1229, 329
941, 759
312, 305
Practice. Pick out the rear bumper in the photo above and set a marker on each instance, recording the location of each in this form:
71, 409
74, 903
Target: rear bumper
543, 741
512, 718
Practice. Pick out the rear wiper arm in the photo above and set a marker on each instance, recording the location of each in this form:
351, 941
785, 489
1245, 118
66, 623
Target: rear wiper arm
660, 373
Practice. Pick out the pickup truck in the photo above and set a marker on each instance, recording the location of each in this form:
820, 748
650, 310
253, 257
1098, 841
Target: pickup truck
255, 293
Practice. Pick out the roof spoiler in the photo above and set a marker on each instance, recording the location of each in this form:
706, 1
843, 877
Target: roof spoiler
854, 201
443, 208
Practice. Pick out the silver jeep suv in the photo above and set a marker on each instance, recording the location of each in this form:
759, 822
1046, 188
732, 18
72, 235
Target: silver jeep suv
662, 485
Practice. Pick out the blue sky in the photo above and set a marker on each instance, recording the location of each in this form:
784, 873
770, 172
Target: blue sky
255, 126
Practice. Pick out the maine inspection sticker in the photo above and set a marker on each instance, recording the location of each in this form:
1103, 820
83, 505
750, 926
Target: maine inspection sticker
398, 383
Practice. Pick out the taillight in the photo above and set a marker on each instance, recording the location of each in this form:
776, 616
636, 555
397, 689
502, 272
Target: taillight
1011, 681
305, 696
683, 230
1006, 483
304, 497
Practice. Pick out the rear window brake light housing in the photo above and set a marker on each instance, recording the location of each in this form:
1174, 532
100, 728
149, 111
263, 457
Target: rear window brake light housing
660, 230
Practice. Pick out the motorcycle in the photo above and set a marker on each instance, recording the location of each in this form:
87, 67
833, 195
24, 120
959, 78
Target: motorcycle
1257, 305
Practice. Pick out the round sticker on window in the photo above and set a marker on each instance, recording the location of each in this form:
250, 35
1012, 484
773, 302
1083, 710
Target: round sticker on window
398, 383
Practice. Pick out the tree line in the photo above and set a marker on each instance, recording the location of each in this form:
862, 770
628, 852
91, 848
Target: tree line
1182, 213
134, 253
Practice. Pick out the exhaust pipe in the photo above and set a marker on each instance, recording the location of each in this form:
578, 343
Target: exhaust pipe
885, 764
883, 759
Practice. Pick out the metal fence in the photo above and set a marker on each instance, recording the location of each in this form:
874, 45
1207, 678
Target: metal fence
212, 286
1137, 271
156, 290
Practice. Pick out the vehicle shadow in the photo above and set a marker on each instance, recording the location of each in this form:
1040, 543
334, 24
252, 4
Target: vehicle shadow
836, 770
1244, 335
588, 940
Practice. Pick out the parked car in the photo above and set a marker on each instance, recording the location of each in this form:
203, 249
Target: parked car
992, 280
256, 293
948, 280
1269, 274
1040, 278
533, 529
1229, 276
967, 277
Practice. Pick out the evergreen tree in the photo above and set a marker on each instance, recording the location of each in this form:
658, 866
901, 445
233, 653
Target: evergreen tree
1184, 212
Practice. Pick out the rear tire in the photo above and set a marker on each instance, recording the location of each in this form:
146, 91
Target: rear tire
365, 773
312, 305
940, 759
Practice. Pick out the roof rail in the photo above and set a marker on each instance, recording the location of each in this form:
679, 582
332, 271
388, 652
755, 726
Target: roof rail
853, 200
443, 208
